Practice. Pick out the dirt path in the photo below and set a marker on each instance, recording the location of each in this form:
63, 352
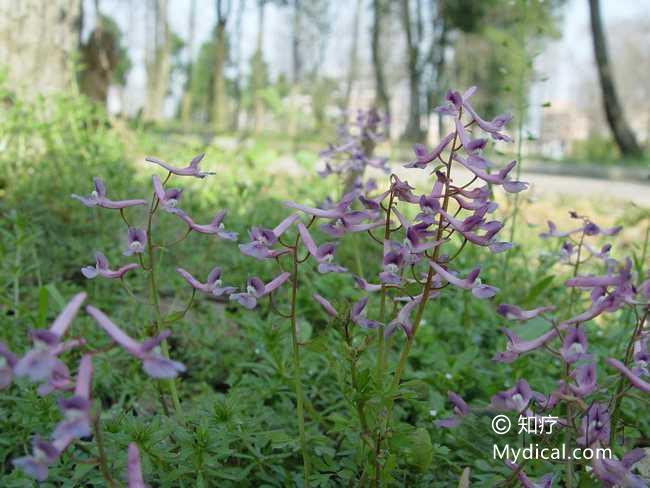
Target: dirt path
589, 188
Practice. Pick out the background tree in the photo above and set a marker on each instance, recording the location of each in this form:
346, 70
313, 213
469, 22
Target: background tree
105, 59
353, 68
39, 40
186, 102
158, 61
219, 99
382, 99
411, 16
623, 135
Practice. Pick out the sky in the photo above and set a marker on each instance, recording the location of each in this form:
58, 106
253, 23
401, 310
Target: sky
563, 62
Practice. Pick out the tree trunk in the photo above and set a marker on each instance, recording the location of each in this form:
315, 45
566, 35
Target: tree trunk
297, 68
238, 55
37, 43
382, 99
159, 63
219, 112
413, 129
258, 71
353, 69
623, 135
186, 103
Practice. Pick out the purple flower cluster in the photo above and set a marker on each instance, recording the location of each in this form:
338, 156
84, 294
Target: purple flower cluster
354, 150
614, 287
42, 364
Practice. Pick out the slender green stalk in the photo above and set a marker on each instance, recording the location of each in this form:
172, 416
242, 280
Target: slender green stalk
428, 284
569, 408
103, 464
381, 348
296, 364
164, 347
399, 370
618, 396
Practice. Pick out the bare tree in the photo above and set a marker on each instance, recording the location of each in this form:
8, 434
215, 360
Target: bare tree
37, 43
100, 56
186, 103
258, 68
219, 109
158, 61
296, 64
353, 69
238, 60
623, 135
378, 8
413, 31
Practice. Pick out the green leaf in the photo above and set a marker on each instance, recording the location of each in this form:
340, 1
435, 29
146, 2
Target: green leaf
420, 451
54, 293
173, 317
43, 299
537, 289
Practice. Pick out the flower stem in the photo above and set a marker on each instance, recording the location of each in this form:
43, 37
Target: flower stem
296, 364
381, 355
103, 465
164, 347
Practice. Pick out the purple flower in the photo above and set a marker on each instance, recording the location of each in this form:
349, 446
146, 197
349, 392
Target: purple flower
262, 239
215, 227
403, 320
499, 178
516, 398
102, 269
256, 289
336, 212
460, 410
168, 198
76, 409
585, 378
191, 170
327, 306
40, 361
613, 472
471, 282
393, 262
365, 286
44, 453
7, 362
323, 254
137, 241
454, 101
424, 157
574, 346
358, 317
471, 145
517, 346
402, 190
634, 379
595, 425
493, 127
212, 286
59, 380
597, 281
153, 363
134, 469
513, 312
553, 232
98, 198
